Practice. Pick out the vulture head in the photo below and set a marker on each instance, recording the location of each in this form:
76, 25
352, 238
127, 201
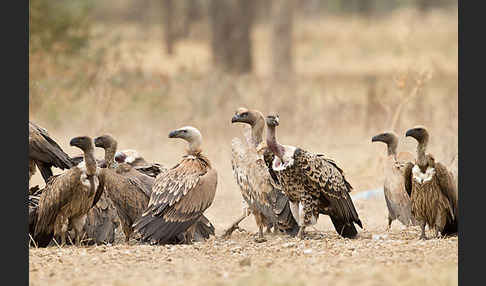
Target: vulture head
191, 135
419, 133
244, 115
105, 142
84, 143
272, 120
120, 157
389, 138
130, 156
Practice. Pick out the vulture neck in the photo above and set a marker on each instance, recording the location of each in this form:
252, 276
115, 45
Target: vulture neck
421, 147
392, 149
110, 156
194, 146
257, 130
90, 161
273, 145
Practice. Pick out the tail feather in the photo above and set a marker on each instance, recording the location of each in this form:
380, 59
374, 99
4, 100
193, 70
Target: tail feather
344, 229
204, 229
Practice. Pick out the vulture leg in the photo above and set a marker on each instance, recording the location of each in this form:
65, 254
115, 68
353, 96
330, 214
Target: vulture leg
260, 237
439, 225
78, 224
389, 223
301, 232
422, 227
259, 221
235, 226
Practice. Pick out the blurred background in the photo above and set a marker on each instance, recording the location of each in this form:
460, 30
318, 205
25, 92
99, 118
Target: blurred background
338, 72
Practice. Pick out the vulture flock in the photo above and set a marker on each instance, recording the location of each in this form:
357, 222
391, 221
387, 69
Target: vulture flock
284, 187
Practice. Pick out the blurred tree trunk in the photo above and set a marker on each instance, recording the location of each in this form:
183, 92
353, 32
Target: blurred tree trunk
230, 24
167, 13
365, 7
427, 5
282, 47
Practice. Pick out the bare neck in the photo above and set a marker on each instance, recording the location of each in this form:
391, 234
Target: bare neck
194, 146
257, 130
110, 156
421, 148
272, 143
90, 161
392, 149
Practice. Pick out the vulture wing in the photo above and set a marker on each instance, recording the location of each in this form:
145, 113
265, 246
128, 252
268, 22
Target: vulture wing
57, 193
145, 182
252, 177
178, 200
447, 185
46, 152
152, 170
323, 175
407, 175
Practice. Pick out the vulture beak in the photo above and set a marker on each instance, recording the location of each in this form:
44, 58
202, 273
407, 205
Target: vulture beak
74, 142
236, 118
379, 138
98, 142
174, 134
272, 120
415, 133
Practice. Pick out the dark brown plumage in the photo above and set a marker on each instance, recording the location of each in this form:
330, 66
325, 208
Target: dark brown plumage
262, 196
45, 153
180, 195
431, 188
134, 159
397, 200
124, 188
68, 197
313, 183
132, 164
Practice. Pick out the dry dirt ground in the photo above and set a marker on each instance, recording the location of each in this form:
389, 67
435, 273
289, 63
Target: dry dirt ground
377, 257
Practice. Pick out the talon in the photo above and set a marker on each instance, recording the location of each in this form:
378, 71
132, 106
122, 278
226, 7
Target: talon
260, 239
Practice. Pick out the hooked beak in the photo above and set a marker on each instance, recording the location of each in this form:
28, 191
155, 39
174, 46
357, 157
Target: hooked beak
235, 118
174, 134
379, 138
98, 142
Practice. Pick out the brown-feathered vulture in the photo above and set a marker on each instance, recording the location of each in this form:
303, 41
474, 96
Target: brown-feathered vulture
262, 196
45, 153
129, 213
181, 195
396, 198
431, 188
124, 188
313, 183
134, 159
68, 197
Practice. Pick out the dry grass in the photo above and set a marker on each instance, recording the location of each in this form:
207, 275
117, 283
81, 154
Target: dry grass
138, 94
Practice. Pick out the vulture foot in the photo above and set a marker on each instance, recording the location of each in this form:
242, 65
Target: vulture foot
301, 233
260, 239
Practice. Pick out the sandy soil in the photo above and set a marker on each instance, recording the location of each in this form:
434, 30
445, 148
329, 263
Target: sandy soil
377, 257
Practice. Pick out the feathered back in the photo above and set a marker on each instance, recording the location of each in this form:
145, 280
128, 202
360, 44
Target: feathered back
179, 198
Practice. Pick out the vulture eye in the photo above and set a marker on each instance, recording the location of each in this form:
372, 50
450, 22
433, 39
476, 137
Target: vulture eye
244, 114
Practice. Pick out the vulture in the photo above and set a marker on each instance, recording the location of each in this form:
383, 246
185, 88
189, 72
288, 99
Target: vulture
67, 198
124, 188
313, 183
179, 196
262, 197
101, 222
130, 190
44, 153
134, 159
431, 188
396, 198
